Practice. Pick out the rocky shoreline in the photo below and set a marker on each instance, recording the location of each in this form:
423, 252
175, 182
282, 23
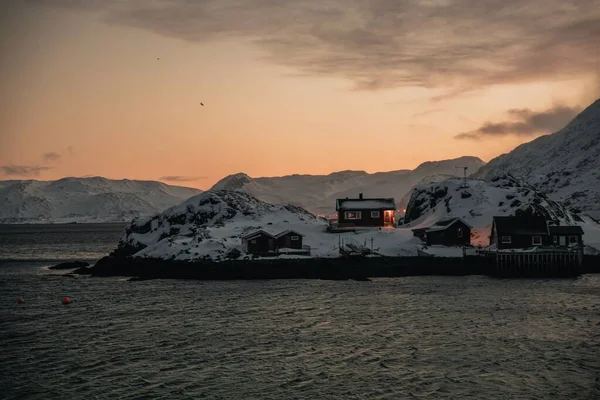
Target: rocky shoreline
315, 268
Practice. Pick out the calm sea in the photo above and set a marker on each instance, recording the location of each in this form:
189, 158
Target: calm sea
404, 338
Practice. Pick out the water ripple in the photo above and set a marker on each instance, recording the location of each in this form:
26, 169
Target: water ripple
415, 337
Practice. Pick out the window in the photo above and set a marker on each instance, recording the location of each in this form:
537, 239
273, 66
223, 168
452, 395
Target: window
573, 239
459, 232
555, 239
253, 241
294, 238
353, 215
506, 239
536, 240
374, 214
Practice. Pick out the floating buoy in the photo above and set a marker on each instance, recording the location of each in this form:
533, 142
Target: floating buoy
20, 300
66, 300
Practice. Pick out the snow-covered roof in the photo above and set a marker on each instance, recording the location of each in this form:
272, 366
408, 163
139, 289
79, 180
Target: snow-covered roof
441, 225
444, 224
365, 204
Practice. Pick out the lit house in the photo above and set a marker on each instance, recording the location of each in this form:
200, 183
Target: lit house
365, 212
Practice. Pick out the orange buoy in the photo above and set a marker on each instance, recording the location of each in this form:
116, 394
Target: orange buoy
66, 300
20, 300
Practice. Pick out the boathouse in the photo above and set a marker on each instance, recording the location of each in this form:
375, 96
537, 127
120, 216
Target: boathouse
367, 212
446, 232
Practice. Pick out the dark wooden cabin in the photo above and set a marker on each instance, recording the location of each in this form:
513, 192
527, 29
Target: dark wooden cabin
365, 212
289, 240
569, 236
259, 242
449, 232
520, 232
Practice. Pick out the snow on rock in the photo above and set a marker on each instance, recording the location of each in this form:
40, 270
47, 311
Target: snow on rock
564, 165
210, 226
317, 193
94, 199
480, 201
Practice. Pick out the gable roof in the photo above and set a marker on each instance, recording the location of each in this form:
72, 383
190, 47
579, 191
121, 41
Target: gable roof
257, 233
521, 225
566, 230
365, 204
446, 223
288, 231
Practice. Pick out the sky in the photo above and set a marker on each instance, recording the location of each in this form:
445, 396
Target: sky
113, 87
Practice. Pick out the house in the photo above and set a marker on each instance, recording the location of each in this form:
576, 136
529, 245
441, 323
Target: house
365, 212
447, 232
263, 242
259, 242
566, 235
520, 232
289, 239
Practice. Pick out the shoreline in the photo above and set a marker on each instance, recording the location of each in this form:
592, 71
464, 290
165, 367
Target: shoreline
321, 268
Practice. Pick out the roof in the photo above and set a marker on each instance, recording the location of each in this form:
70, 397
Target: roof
566, 230
288, 231
365, 204
441, 225
521, 225
446, 223
260, 232
254, 234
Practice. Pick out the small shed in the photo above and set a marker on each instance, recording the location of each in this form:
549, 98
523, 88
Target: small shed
449, 232
259, 242
520, 232
289, 239
568, 236
365, 211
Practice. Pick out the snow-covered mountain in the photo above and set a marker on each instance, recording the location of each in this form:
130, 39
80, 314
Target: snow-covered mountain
210, 226
481, 200
564, 165
86, 199
317, 193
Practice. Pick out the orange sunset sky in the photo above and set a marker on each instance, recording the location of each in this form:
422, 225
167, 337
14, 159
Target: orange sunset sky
113, 88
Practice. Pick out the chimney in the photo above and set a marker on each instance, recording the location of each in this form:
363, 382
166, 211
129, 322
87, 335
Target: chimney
360, 196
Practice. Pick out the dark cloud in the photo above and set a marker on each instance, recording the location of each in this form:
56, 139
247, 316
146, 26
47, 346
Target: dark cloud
525, 122
381, 44
51, 157
178, 178
23, 170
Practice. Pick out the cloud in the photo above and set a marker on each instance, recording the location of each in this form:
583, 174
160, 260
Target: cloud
23, 170
179, 178
382, 44
51, 157
524, 122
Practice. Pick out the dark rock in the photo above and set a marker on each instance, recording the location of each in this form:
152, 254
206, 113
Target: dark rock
70, 265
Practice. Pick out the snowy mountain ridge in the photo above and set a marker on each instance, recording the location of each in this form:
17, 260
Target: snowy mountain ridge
93, 199
564, 165
317, 193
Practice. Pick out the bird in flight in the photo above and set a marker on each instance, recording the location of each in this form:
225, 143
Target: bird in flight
202, 104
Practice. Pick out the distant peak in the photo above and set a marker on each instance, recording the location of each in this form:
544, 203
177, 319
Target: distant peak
232, 182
